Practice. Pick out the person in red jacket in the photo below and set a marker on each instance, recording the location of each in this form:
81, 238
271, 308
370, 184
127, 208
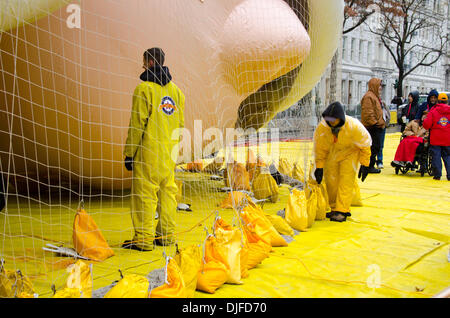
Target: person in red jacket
438, 122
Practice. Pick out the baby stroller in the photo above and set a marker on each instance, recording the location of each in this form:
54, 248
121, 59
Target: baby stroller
422, 161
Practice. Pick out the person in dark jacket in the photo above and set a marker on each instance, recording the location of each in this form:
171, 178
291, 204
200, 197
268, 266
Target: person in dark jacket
438, 122
409, 112
387, 120
397, 100
428, 105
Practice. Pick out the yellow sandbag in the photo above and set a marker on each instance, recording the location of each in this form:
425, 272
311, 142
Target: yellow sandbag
220, 223
322, 201
325, 194
237, 177
297, 172
215, 271
356, 200
130, 286
235, 199
285, 167
264, 186
174, 287
230, 243
14, 283
280, 225
189, 260
254, 166
68, 293
244, 259
88, 240
257, 252
296, 210
213, 251
213, 274
180, 186
311, 205
255, 232
80, 278
256, 216
256, 242
196, 166
215, 166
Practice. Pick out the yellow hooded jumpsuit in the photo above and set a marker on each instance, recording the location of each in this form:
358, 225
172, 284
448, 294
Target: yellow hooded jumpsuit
339, 157
153, 137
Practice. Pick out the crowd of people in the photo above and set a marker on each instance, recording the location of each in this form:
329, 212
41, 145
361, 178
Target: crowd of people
426, 127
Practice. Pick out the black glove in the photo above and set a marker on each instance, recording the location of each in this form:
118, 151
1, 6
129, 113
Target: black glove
363, 172
318, 173
129, 163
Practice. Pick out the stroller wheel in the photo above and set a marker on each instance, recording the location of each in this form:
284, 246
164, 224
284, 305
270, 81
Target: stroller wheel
397, 169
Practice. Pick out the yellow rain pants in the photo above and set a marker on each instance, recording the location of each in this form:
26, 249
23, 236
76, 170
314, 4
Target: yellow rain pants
157, 113
340, 157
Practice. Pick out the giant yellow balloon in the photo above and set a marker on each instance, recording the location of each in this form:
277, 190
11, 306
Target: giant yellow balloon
66, 91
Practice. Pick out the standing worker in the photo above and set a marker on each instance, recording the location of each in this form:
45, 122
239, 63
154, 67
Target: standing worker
372, 119
340, 143
157, 113
438, 122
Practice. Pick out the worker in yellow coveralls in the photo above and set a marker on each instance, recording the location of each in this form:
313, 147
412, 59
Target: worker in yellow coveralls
341, 143
157, 117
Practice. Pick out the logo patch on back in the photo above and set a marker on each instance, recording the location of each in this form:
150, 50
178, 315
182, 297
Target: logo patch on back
168, 105
443, 121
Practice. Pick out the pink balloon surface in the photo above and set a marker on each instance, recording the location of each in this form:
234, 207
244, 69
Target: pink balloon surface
66, 92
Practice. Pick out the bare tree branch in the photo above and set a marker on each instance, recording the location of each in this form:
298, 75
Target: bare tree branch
400, 23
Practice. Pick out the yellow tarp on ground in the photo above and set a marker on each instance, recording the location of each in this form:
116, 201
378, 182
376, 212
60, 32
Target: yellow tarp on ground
393, 246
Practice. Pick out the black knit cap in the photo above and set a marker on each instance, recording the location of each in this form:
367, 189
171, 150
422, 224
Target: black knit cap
156, 54
335, 110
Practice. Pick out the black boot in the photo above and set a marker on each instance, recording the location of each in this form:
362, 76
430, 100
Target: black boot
132, 246
340, 216
374, 170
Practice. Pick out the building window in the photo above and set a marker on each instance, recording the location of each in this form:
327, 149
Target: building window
369, 53
380, 51
359, 96
344, 48
360, 52
350, 92
352, 50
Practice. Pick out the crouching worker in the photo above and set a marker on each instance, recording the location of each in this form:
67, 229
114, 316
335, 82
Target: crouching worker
340, 144
157, 112
414, 137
